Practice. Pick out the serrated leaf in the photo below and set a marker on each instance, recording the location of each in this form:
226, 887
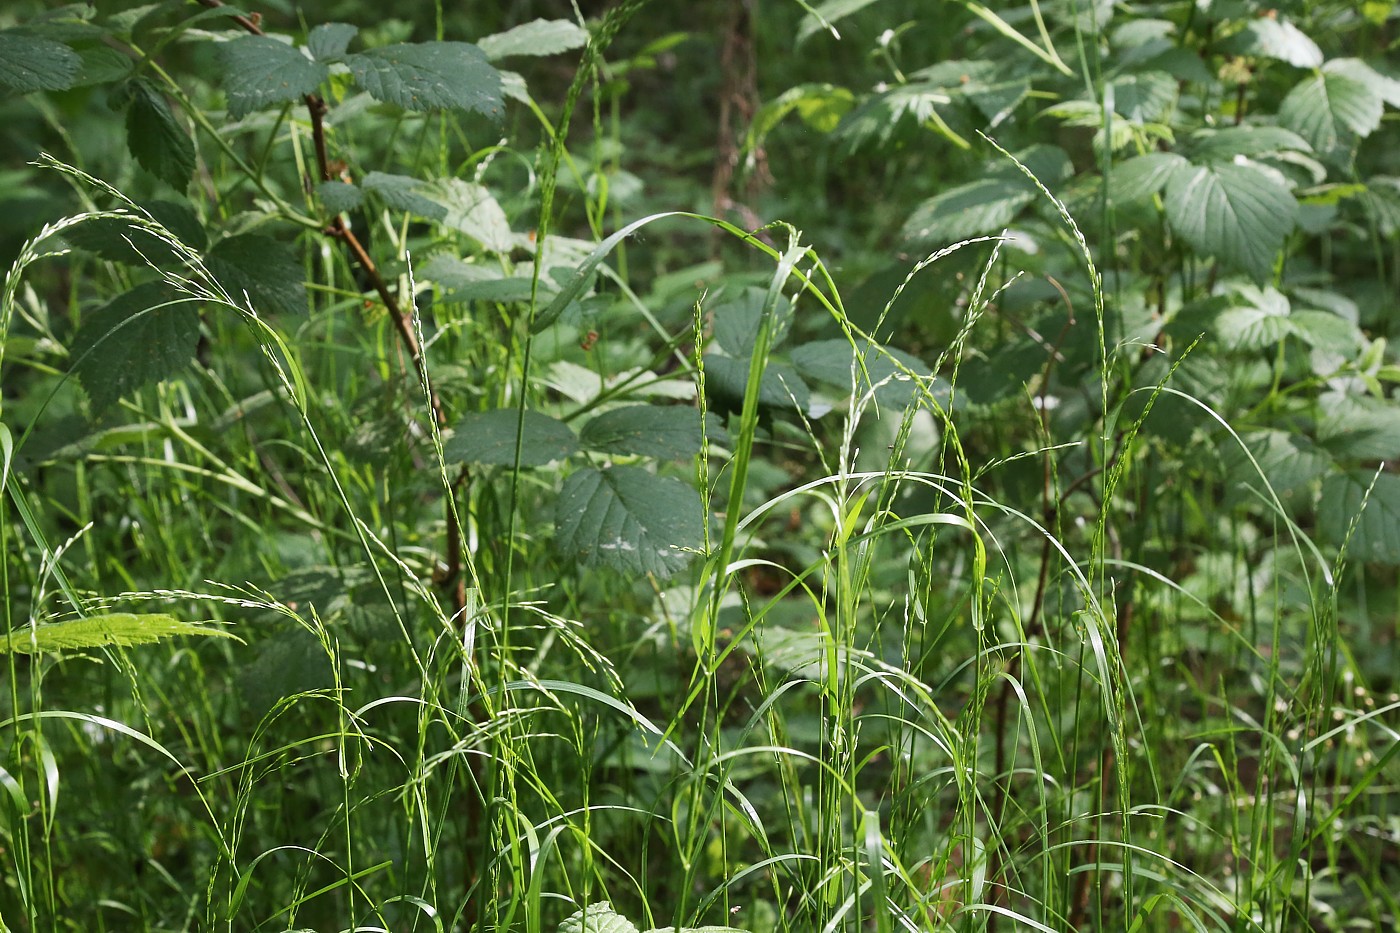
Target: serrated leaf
630, 520
738, 315
667, 432
1326, 107
1222, 144
1377, 535
831, 361
472, 209
1291, 464
1388, 88
488, 437
1140, 98
328, 41
339, 196
143, 336
985, 206
1358, 427
1254, 319
30, 63
260, 71
263, 268
102, 64
1139, 178
429, 76
1234, 213
156, 139
596, 918
286, 664
781, 387
117, 240
539, 37
1268, 37
404, 193
95, 631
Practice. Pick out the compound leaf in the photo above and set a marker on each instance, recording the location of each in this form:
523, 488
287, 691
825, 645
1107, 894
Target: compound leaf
1233, 213
489, 437
156, 139
260, 71
113, 628
263, 268
429, 76
630, 520
143, 336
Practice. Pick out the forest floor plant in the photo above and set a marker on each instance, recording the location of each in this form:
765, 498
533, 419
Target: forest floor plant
390, 546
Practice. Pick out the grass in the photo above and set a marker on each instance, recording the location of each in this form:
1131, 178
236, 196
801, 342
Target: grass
917, 680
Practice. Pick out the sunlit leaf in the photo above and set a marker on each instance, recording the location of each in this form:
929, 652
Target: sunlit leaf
628, 519
537, 37
114, 628
1270, 37
429, 76
1234, 213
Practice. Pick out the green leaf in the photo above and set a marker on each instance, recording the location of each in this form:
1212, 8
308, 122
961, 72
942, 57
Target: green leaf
668, 432
1234, 213
404, 193
1139, 178
828, 14
429, 76
1267, 37
328, 41
1358, 427
1222, 144
1356, 69
488, 437
597, 918
260, 71
264, 268
1291, 464
1377, 536
781, 387
339, 196
831, 361
117, 240
539, 37
468, 281
1140, 98
1255, 319
472, 209
628, 519
156, 139
985, 206
1325, 108
738, 315
143, 336
113, 628
29, 63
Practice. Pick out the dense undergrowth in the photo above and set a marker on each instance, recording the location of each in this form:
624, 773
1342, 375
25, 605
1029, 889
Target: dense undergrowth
864, 465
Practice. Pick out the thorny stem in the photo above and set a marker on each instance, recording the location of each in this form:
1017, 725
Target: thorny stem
450, 575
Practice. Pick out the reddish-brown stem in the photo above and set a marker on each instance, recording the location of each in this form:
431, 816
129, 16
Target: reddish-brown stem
451, 573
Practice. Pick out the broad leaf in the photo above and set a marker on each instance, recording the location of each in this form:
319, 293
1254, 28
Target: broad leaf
263, 268
539, 37
669, 432
429, 76
597, 918
834, 362
114, 628
727, 379
1233, 213
489, 437
404, 193
1377, 535
828, 14
469, 281
1139, 178
1356, 69
340, 196
1255, 319
328, 41
978, 207
117, 240
472, 209
1268, 37
629, 519
1290, 463
738, 315
146, 335
260, 71
157, 140
1325, 108
1358, 427
1222, 144
29, 63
